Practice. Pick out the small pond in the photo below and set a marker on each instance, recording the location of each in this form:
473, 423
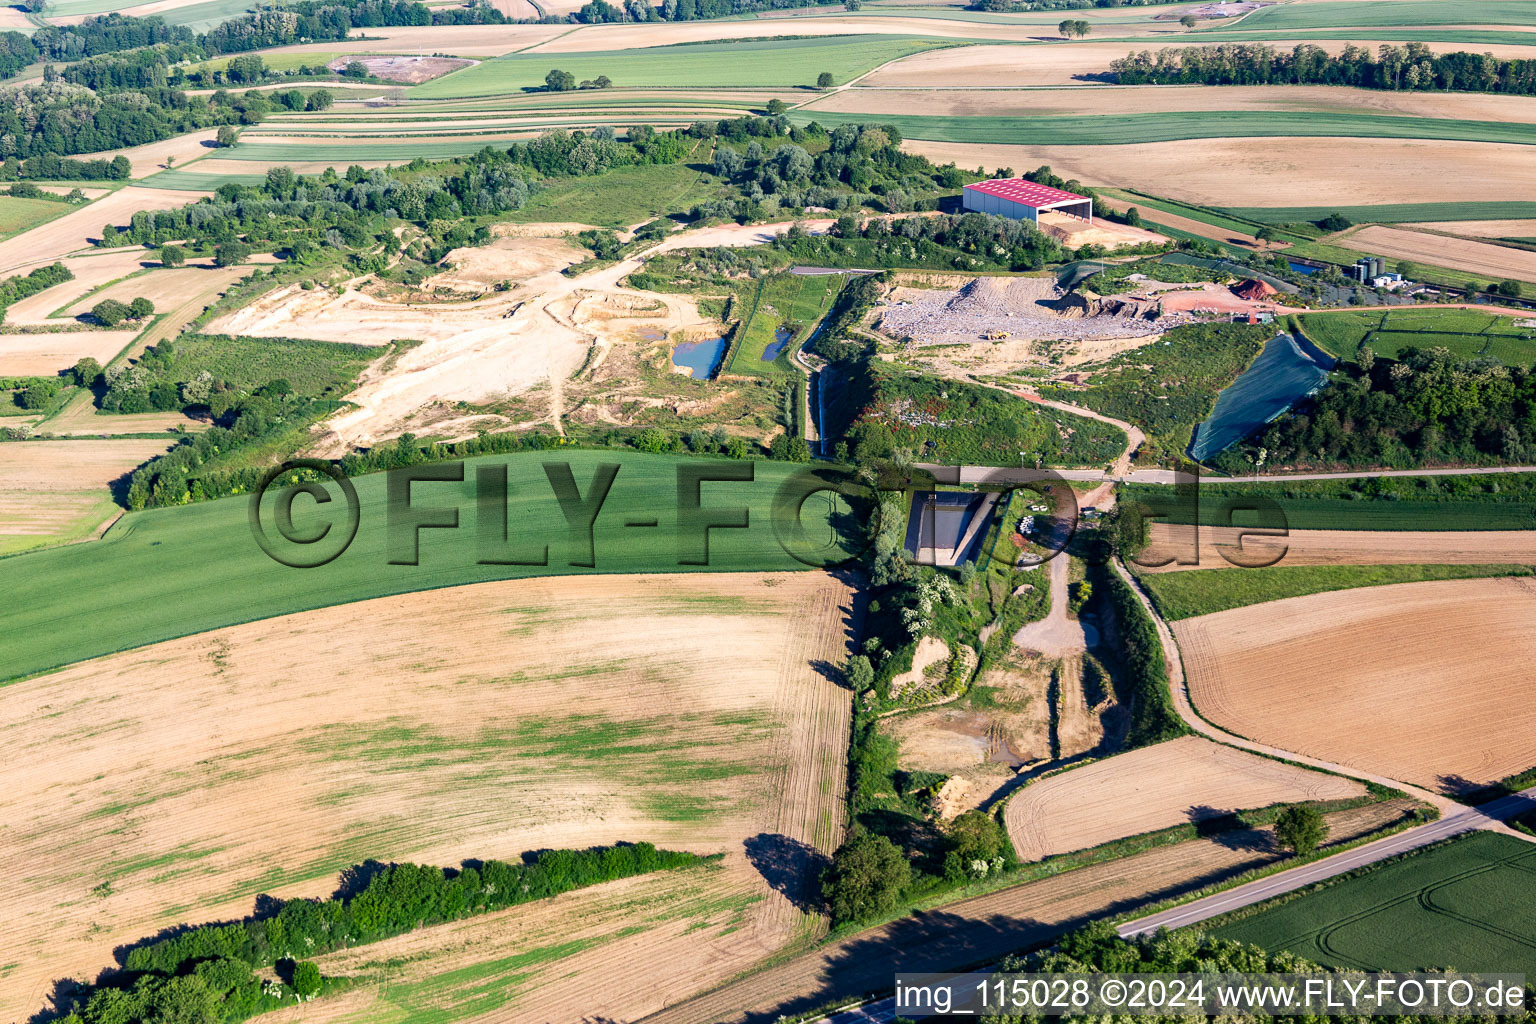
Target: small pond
1284, 374
700, 358
1303, 268
781, 338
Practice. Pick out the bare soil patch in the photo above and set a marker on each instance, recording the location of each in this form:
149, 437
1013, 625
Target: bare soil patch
478, 721
401, 68
1481, 258
1423, 682
1183, 780
1346, 547
989, 927
1274, 172
45, 354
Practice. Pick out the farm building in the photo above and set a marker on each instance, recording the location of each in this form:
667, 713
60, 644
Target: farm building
1024, 200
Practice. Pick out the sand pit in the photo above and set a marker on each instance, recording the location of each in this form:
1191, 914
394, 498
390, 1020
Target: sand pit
1346, 547
478, 721
1157, 787
58, 490
1077, 232
1423, 682
1217, 298
74, 231
1274, 172
1482, 258
45, 354
399, 68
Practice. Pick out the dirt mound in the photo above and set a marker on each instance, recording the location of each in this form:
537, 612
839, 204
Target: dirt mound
397, 68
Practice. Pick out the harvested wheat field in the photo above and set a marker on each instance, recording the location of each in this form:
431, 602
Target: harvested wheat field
1274, 172
43, 355
1344, 547
490, 347
1183, 780
478, 721
1482, 258
74, 231
58, 490
164, 286
1423, 682
1481, 228
1075, 64
459, 40
1141, 99
634, 36
157, 156
91, 272
986, 928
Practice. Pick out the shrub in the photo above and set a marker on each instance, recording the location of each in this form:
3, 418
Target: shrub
1300, 828
110, 312
306, 979
140, 308
866, 878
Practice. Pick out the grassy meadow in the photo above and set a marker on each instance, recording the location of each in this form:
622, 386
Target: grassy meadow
1466, 333
1183, 595
1469, 903
173, 572
786, 63
17, 214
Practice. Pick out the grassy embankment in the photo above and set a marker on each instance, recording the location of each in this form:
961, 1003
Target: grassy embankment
1467, 333
1183, 595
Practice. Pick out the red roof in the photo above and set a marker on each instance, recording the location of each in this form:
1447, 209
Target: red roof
1027, 192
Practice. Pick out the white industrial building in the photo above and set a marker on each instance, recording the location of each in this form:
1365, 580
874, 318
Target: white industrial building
1021, 199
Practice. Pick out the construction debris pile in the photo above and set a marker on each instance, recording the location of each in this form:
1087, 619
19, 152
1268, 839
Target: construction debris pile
990, 308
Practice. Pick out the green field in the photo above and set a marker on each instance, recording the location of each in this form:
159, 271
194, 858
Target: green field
784, 63
1183, 595
17, 215
314, 369
1469, 904
789, 303
198, 17
620, 198
1382, 13
1131, 129
174, 572
344, 153
1473, 502
194, 181
1464, 332
1403, 213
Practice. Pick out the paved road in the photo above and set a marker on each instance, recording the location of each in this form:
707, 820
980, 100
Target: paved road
1487, 816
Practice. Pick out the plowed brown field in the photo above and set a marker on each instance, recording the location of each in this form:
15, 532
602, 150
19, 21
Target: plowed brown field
1424, 682
1157, 787
1346, 547
174, 783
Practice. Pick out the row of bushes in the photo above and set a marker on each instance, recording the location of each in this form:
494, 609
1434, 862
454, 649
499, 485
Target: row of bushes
1153, 718
14, 289
210, 966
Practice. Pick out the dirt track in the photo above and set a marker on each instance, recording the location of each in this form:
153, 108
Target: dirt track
1157, 787
475, 721
1380, 680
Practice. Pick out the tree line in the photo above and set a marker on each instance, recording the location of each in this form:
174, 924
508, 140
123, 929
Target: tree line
14, 289
1424, 407
207, 973
1410, 67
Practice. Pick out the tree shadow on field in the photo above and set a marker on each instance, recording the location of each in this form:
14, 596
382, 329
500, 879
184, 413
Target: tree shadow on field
790, 867
1214, 821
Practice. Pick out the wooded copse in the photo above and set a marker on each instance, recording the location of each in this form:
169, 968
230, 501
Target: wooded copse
1412, 67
